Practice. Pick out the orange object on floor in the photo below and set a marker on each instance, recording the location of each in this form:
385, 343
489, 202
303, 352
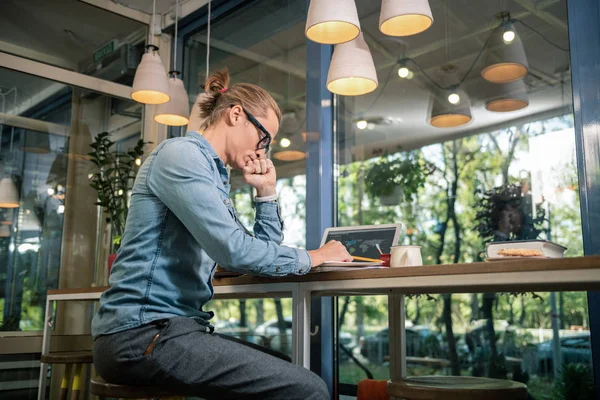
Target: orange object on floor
370, 389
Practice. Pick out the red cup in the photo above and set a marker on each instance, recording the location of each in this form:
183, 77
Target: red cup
385, 259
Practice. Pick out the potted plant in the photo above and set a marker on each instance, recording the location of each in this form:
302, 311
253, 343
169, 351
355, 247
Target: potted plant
113, 180
396, 176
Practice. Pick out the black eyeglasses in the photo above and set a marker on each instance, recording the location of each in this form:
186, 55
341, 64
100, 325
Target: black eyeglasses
265, 141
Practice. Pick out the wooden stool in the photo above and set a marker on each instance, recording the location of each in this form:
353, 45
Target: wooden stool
103, 389
456, 388
71, 359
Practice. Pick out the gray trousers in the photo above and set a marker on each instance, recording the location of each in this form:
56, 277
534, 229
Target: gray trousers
188, 358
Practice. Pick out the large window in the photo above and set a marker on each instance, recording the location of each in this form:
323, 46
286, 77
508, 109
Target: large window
51, 234
263, 43
498, 165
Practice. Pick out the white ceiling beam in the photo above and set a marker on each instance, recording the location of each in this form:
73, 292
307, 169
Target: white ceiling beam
36, 55
119, 9
33, 124
61, 75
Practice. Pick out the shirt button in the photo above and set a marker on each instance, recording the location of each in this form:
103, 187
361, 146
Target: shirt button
225, 202
278, 269
224, 182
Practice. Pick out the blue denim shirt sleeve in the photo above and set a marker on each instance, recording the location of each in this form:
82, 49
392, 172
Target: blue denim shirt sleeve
182, 178
267, 222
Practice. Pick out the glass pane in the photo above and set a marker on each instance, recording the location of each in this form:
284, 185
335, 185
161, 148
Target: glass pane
265, 322
80, 38
522, 348
51, 236
464, 158
269, 51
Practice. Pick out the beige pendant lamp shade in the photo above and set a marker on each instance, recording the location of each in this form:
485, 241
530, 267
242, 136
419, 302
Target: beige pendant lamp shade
444, 114
507, 97
291, 146
289, 154
176, 111
9, 195
404, 17
150, 84
332, 21
195, 120
352, 71
504, 62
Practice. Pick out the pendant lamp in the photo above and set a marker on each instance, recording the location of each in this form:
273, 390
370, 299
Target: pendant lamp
505, 61
292, 152
195, 118
150, 84
176, 111
404, 17
444, 114
332, 22
291, 146
352, 71
507, 97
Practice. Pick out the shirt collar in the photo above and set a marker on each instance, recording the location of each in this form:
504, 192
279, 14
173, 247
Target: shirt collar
205, 144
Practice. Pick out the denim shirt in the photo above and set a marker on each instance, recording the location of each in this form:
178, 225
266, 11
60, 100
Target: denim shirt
180, 225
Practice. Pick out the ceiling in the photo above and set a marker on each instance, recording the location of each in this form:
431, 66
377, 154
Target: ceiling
269, 48
145, 6
64, 33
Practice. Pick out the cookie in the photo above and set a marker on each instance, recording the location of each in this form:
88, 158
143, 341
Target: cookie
520, 253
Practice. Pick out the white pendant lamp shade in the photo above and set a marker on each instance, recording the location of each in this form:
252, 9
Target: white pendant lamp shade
150, 84
9, 196
196, 120
504, 62
291, 146
177, 110
292, 153
507, 97
404, 17
332, 21
352, 71
444, 114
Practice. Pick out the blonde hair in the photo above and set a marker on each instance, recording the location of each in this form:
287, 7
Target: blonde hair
220, 97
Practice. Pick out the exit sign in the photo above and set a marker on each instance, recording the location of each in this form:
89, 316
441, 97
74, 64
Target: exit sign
105, 50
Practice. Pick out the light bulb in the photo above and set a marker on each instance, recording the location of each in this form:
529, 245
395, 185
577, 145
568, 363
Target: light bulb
453, 98
509, 35
285, 142
362, 124
120, 192
403, 72
138, 161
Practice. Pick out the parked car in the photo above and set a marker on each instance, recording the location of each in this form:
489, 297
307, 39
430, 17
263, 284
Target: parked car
376, 347
574, 349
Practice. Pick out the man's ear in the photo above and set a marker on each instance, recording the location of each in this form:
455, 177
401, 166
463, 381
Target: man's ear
233, 117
